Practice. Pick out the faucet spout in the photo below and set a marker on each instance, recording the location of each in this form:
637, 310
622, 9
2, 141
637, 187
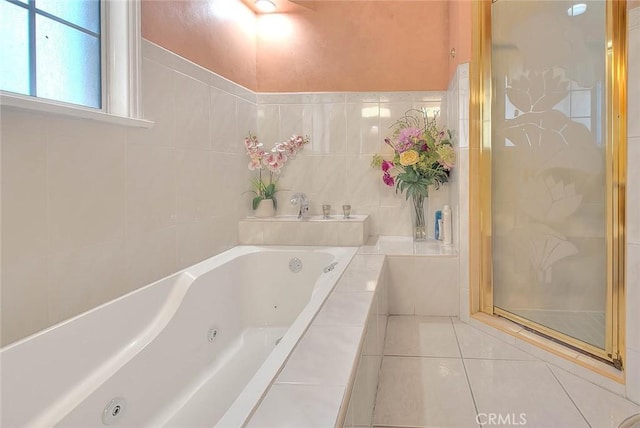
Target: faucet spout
301, 198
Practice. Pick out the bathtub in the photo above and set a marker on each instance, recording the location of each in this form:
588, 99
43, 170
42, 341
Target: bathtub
198, 348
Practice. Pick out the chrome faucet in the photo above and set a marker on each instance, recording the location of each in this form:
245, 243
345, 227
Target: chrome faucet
304, 205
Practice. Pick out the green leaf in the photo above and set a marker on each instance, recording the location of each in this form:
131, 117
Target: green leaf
256, 202
270, 190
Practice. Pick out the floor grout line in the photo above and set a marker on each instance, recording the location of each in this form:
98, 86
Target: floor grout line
464, 366
476, 360
461, 358
499, 359
420, 356
385, 355
568, 395
397, 426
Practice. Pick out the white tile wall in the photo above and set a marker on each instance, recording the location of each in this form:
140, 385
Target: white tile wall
633, 210
24, 172
456, 108
27, 293
314, 231
90, 271
346, 129
171, 195
91, 211
633, 178
633, 297
423, 285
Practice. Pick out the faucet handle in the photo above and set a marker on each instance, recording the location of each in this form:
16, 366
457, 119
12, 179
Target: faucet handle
298, 197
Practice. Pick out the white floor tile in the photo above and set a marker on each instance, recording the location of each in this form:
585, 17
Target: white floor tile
299, 406
633, 375
477, 344
602, 408
424, 392
512, 388
421, 336
505, 381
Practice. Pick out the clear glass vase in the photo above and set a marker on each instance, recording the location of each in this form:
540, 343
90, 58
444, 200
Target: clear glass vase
418, 218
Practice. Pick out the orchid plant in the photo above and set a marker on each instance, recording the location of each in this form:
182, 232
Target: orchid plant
271, 162
423, 155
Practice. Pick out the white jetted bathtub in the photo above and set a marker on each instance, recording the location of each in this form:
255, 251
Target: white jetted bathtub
195, 349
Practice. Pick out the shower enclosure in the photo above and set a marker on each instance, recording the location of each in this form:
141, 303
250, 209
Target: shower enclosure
553, 161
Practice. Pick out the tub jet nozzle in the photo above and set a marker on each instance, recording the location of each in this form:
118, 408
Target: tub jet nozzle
113, 411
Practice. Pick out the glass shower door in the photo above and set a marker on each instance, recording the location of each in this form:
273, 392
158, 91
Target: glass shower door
549, 166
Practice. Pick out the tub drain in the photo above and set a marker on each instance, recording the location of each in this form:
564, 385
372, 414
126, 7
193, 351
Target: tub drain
113, 411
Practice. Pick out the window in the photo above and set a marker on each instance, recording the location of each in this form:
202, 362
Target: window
54, 50
73, 57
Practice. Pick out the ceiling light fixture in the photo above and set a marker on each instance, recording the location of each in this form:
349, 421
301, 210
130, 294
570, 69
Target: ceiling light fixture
265, 6
577, 9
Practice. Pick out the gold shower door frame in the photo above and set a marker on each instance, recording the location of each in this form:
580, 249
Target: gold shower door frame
480, 221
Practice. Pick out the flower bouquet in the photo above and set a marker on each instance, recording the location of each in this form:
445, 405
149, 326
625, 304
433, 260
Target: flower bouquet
423, 155
271, 162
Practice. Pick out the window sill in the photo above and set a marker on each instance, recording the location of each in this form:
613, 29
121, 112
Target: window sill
21, 102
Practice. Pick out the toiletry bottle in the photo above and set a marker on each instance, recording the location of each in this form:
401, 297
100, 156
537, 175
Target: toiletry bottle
446, 225
437, 226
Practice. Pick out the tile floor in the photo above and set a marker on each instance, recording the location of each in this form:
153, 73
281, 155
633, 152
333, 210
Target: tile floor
441, 372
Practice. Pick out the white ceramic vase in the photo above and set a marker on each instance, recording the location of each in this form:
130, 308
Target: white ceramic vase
265, 209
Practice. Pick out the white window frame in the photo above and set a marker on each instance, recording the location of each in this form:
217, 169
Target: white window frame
121, 86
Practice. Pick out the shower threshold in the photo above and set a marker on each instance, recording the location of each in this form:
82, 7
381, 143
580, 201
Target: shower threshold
552, 351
